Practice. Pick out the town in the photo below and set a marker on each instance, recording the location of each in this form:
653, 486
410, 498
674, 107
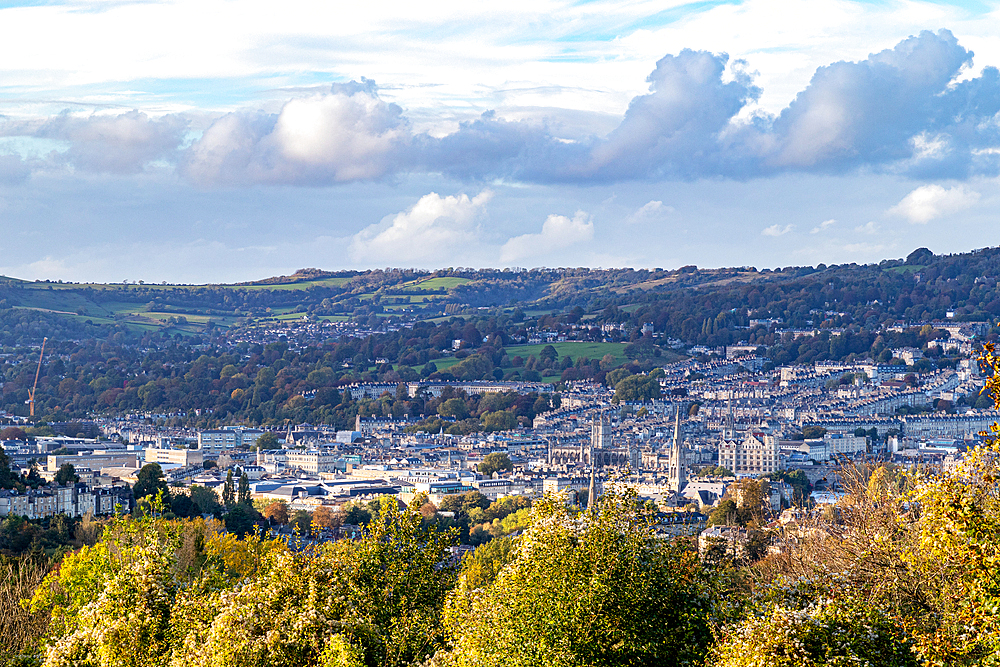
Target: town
684, 436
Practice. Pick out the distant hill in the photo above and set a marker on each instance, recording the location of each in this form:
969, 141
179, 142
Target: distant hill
711, 306
197, 349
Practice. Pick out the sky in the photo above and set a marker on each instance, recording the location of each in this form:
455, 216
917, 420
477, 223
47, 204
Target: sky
220, 141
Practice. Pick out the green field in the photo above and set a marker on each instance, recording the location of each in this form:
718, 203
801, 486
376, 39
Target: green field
574, 349
434, 284
54, 300
445, 363
132, 305
133, 314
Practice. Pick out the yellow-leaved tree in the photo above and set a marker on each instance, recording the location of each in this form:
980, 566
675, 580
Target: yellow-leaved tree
580, 589
159, 593
905, 570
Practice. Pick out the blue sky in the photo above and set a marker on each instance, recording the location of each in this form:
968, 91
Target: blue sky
212, 140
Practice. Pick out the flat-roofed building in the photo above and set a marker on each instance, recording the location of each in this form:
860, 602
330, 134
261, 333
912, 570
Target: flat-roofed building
843, 443
214, 442
94, 461
494, 489
177, 457
314, 461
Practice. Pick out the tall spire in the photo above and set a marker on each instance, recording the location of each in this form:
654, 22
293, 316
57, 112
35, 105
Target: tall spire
677, 477
728, 432
596, 441
592, 489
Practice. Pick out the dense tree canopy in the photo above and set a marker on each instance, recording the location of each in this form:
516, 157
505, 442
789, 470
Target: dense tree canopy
150, 481
599, 589
495, 462
637, 388
66, 475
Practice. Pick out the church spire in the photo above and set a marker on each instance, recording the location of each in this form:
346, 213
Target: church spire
592, 489
596, 439
729, 432
677, 477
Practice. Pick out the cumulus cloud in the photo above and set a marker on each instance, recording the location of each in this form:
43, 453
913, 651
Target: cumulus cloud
899, 110
777, 230
490, 147
821, 226
346, 134
121, 143
649, 212
869, 112
436, 228
688, 106
932, 201
902, 110
558, 232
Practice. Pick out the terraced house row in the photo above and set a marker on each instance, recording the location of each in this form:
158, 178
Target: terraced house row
73, 500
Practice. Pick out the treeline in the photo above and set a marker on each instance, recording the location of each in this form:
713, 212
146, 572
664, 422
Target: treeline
900, 573
475, 519
696, 305
924, 287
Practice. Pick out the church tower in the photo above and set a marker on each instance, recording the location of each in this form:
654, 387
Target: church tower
677, 477
597, 437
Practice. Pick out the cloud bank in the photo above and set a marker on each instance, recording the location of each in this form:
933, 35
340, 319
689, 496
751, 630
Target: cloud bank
903, 111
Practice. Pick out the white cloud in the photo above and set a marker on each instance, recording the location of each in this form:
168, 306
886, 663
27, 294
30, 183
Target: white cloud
932, 201
692, 122
345, 135
434, 229
349, 134
867, 228
777, 230
821, 226
649, 212
558, 232
123, 143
